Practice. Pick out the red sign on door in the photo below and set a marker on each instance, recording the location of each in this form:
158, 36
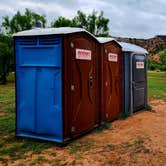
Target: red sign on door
83, 54
112, 57
139, 65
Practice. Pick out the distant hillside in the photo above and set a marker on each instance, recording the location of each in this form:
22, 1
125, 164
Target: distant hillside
154, 45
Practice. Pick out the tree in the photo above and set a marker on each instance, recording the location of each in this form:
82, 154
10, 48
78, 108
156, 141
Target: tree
102, 28
62, 22
95, 23
6, 57
80, 20
21, 22
18, 22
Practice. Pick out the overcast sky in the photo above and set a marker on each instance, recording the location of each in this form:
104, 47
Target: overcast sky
128, 18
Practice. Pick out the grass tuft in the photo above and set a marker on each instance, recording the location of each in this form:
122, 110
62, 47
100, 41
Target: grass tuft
124, 115
149, 108
7, 123
102, 127
111, 147
80, 146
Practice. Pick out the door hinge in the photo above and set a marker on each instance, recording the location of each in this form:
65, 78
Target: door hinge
72, 88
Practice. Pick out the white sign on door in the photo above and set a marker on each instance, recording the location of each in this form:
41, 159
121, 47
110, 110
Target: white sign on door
112, 57
83, 54
139, 65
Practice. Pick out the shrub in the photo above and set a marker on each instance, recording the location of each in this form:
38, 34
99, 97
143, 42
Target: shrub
162, 67
152, 65
163, 57
6, 57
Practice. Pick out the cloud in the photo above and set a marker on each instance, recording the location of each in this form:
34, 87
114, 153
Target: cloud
130, 18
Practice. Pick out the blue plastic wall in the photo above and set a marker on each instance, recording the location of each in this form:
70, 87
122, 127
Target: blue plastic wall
39, 87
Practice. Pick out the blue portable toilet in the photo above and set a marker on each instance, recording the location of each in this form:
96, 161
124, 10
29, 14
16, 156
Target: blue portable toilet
56, 83
135, 61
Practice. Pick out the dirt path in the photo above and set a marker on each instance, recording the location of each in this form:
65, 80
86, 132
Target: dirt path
139, 140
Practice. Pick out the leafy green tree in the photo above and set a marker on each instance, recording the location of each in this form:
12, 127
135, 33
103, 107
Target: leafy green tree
4, 60
20, 22
92, 23
80, 20
6, 57
102, 28
62, 22
95, 23
152, 65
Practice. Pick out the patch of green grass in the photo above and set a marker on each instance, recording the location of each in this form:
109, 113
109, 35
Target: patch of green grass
53, 153
134, 147
1, 143
34, 146
102, 127
82, 146
157, 84
38, 160
123, 115
21, 164
139, 146
18, 148
7, 98
131, 148
7, 123
11, 77
11, 151
58, 162
111, 147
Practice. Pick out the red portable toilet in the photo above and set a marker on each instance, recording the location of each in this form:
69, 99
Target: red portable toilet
110, 78
56, 83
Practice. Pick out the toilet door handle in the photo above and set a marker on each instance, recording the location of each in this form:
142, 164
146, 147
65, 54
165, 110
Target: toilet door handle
90, 81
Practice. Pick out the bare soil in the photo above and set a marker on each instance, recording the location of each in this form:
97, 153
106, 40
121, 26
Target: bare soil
139, 140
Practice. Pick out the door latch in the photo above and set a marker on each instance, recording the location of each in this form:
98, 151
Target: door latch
106, 115
72, 129
72, 45
90, 81
72, 87
106, 83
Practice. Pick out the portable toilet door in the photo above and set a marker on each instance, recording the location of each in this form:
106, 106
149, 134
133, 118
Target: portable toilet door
135, 60
83, 70
56, 83
110, 78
